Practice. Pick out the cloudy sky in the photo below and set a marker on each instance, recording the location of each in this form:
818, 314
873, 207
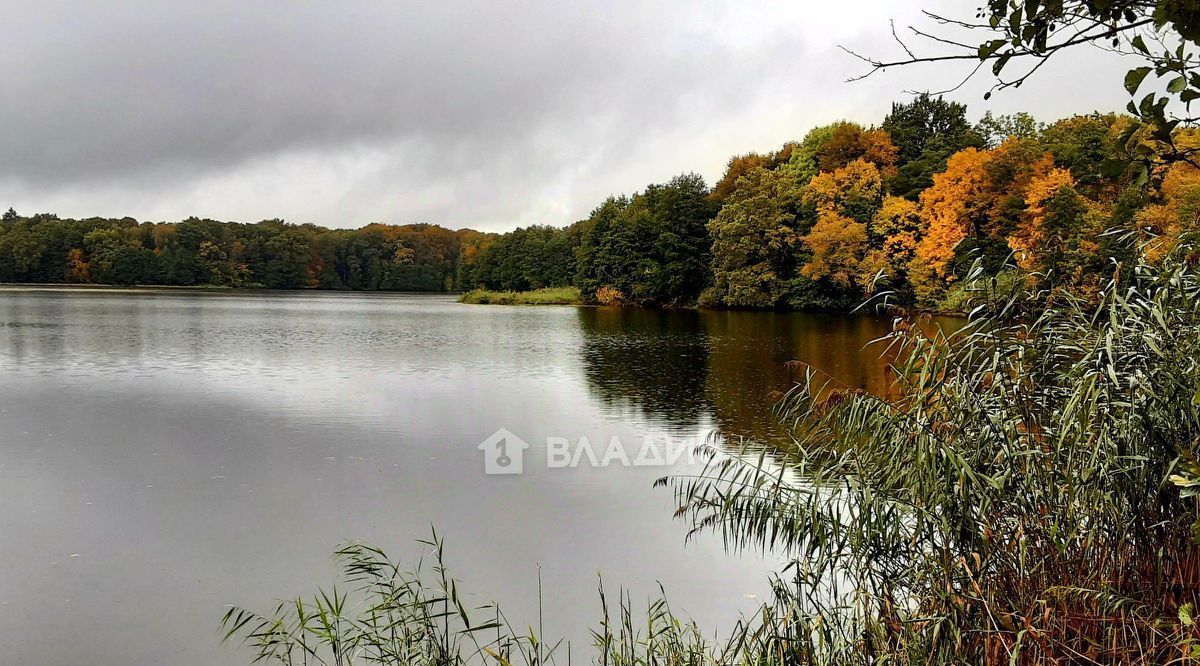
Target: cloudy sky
483, 114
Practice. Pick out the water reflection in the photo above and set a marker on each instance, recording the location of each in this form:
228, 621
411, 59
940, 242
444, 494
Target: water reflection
649, 361
684, 367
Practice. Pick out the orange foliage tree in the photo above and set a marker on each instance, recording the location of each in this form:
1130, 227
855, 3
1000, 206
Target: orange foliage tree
952, 209
78, 270
849, 142
738, 166
1031, 232
845, 200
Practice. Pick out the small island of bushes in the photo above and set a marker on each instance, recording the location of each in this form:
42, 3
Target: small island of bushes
543, 296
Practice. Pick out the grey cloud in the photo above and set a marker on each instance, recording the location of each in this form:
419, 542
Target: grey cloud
100, 92
478, 113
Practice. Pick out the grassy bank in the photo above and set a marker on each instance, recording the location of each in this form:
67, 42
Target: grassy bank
547, 296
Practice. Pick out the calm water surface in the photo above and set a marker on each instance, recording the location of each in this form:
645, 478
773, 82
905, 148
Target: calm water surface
165, 454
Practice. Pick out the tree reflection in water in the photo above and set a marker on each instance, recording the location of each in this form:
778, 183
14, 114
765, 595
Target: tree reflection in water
683, 369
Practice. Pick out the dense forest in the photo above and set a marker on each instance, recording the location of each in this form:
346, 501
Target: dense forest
909, 205
272, 254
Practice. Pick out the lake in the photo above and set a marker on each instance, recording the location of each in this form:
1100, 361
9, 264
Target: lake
164, 454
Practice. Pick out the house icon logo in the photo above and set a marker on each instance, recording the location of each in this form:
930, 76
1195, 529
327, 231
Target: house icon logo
503, 453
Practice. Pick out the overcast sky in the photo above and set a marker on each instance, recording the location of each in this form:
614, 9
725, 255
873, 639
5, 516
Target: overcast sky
484, 114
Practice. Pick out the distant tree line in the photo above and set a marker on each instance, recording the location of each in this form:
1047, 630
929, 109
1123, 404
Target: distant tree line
270, 254
908, 205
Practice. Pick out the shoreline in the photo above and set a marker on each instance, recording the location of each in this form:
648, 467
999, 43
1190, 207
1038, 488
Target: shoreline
542, 297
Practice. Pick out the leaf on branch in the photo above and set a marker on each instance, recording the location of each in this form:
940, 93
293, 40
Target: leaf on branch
988, 48
1134, 78
1000, 63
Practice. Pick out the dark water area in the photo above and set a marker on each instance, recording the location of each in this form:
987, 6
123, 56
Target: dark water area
726, 369
165, 454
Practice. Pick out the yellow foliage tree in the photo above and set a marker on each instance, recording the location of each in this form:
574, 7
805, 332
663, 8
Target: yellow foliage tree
1161, 225
838, 245
895, 233
854, 190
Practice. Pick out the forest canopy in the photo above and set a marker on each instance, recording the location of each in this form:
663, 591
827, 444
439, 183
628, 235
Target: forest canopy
823, 222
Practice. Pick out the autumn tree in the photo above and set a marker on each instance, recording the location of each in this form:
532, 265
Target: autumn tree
849, 142
1161, 224
78, 271
1013, 41
838, 245
845, 200
806, 226
1030, 238
738, 166
952, 209
894, 234
854, 190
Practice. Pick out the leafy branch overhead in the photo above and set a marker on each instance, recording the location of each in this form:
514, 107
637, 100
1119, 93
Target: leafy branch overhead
1014, 39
